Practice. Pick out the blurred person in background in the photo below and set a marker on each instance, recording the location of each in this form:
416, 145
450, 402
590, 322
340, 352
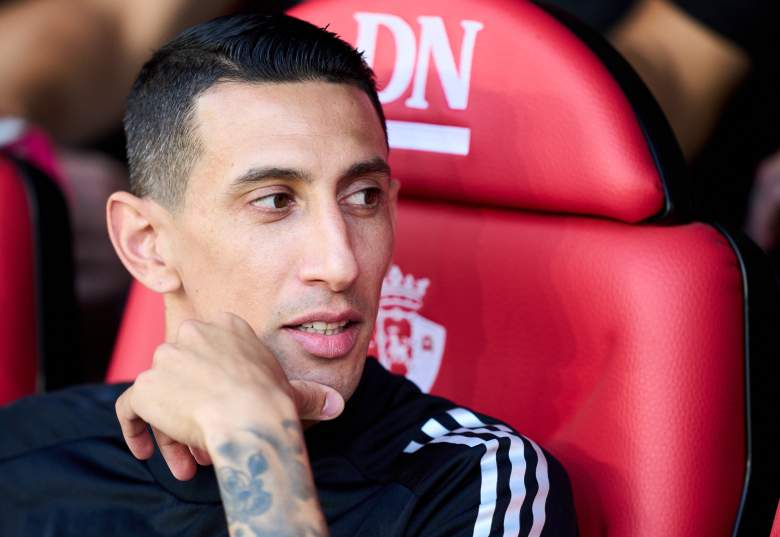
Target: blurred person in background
67, 65
712, 65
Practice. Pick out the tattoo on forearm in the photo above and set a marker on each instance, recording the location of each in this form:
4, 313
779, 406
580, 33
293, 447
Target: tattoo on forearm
244, 494
256, 503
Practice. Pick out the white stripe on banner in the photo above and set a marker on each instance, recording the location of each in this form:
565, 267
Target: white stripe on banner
428, 137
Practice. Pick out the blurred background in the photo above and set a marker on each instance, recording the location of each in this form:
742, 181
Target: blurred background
67, 65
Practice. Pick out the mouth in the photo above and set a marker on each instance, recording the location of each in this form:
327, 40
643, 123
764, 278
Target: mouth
322, 328
326, 335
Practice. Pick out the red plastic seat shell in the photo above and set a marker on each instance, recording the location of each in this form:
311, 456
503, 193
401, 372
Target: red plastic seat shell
18, 355
550, 128
618, 347
142, 330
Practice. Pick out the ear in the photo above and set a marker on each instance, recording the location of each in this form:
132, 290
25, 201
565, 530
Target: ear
137, 228
395, 186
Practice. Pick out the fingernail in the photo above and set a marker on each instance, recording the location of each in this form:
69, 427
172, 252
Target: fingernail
331, 407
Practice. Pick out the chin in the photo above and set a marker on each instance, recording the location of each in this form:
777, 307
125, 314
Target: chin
342, 374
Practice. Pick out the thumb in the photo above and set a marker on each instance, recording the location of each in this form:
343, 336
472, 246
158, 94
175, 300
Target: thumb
315, 401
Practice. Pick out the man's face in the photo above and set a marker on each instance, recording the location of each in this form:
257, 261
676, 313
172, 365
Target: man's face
287, 221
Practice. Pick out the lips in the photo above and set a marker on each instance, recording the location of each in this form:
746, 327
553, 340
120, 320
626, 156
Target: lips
326, 334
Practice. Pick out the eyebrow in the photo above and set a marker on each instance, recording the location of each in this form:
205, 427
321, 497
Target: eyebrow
258, 175
376, 165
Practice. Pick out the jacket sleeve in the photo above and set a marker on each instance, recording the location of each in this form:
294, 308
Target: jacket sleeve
481, 478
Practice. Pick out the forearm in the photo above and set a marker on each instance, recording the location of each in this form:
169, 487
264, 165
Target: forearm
216, 395
266, 482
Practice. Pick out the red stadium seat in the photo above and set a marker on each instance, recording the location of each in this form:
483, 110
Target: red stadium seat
142, 329
548, 271
37, 300
18, 345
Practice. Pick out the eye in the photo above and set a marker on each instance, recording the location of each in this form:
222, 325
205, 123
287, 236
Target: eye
278, 200
368, 197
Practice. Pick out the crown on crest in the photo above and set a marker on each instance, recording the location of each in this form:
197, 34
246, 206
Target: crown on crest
404, 291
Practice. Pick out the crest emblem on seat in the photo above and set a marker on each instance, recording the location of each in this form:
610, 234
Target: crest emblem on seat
404, 341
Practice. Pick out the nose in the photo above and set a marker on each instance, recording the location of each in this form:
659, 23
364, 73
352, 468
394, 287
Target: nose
328, 256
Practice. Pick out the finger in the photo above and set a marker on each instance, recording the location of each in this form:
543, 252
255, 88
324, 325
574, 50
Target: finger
188, 330
176, 455
235, 322
316, 401
134, 429
201, 456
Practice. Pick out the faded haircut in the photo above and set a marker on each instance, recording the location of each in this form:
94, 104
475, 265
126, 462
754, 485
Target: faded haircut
162, 143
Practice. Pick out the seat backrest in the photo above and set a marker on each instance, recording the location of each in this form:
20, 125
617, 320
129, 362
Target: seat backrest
37, 298
18, 343
546, 271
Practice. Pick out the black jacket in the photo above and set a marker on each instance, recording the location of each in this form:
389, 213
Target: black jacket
397, 462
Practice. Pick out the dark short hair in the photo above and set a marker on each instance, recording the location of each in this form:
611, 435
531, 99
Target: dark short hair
159, 123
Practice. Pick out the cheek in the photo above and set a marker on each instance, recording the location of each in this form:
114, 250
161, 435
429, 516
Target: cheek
373, 246
233, 270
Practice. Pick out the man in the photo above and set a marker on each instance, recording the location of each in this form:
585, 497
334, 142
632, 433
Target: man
263, 209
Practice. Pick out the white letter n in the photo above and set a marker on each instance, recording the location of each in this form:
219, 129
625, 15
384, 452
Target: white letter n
455, 82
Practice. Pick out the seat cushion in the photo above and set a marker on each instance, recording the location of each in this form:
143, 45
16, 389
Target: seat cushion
618, 347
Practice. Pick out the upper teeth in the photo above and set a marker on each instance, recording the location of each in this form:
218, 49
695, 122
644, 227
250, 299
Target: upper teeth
321, 326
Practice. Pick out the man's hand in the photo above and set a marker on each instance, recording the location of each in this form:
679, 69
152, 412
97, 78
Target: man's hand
763, 223
216, 379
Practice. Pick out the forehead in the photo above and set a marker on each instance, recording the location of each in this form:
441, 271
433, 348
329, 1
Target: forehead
318, 126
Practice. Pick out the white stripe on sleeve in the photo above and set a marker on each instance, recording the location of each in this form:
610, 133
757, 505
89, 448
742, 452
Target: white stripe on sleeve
469, 419
470, 423
542, 478
488, 491
434, 429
